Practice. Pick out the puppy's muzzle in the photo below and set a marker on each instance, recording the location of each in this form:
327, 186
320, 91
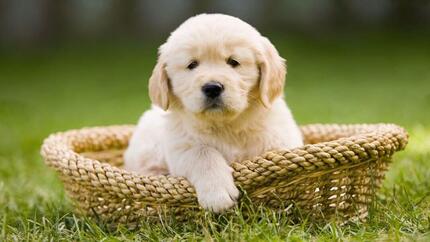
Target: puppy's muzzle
212, 90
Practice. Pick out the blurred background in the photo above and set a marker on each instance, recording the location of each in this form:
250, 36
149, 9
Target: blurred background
74, 63
44, 22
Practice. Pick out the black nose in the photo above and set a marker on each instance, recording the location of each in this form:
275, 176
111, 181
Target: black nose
212, 89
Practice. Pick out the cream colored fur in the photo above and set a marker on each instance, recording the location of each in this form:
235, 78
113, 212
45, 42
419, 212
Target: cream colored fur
182, 137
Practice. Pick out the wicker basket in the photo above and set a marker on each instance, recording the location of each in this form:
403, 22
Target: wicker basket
336, 173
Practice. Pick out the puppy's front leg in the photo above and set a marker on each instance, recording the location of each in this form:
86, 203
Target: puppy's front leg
210, 174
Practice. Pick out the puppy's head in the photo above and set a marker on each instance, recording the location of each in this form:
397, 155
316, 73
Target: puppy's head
216, 65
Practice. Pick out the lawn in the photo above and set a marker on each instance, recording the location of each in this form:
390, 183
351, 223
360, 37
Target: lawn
342, 79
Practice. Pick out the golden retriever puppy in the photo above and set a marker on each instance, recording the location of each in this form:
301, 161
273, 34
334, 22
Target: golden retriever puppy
218, 94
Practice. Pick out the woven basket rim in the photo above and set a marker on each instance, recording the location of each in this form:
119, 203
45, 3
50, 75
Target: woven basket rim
375, 129
364, 130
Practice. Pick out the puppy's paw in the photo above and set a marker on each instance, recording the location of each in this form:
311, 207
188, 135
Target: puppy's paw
217, 196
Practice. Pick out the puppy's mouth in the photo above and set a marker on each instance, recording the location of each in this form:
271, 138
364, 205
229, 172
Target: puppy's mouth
215, 104
217, 109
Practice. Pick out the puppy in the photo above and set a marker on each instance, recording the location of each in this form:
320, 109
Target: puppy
218, 94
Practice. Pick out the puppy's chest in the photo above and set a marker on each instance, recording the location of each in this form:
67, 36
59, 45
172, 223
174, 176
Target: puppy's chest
243, 147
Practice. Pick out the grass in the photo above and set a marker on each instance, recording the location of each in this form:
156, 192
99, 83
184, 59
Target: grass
359, 79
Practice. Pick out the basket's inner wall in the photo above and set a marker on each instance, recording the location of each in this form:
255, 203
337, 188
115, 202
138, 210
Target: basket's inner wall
114, 155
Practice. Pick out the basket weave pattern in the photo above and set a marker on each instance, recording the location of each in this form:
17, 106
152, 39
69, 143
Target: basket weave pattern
337, 173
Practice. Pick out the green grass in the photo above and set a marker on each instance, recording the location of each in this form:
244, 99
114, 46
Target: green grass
358, 79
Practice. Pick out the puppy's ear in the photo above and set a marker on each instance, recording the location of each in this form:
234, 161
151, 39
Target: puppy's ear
159, 86
272, 73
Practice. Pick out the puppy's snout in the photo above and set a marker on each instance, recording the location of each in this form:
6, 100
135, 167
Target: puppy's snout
212, 89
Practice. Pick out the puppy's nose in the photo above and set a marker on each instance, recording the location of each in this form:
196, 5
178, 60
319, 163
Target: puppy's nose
212, 89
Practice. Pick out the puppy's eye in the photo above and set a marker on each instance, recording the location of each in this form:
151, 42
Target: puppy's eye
232, 62
192, 65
